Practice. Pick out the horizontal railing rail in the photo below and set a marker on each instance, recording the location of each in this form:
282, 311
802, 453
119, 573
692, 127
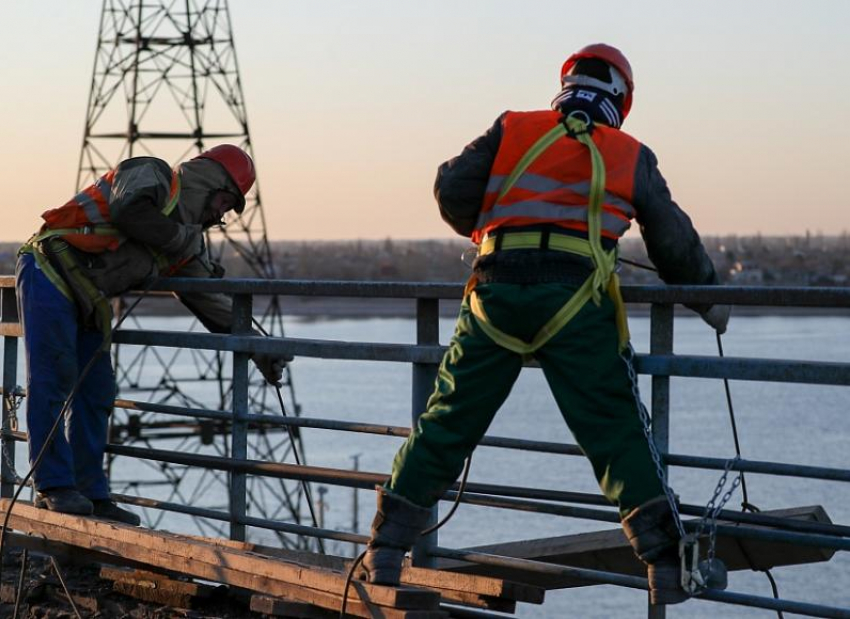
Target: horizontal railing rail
660, 364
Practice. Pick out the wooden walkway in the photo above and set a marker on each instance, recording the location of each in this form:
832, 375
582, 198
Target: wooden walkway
282, 583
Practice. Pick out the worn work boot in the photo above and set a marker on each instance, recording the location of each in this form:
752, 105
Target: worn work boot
665, 584
107, 508
652, 532
64, 500
397, 524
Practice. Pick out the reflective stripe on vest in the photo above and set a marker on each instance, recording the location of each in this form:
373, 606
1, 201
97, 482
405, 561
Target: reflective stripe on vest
553, 188
90, 236
84, 221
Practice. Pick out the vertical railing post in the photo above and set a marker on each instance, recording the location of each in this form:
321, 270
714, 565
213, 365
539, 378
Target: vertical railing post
242, 310
660, 343
424, 375
8, 317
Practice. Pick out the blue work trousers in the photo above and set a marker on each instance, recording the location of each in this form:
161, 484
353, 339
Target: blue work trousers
58, 347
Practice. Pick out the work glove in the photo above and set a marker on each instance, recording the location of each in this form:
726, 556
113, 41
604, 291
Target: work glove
271, 367
717, 316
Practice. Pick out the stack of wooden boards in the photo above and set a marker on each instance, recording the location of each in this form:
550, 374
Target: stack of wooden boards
283, 583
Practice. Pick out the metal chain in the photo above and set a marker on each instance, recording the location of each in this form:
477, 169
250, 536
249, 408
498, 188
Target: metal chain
713, 508
12, 402
628, 356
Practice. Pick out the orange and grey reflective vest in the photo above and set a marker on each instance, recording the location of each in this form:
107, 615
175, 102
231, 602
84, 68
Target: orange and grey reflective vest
570, 191
555, 187
85, 220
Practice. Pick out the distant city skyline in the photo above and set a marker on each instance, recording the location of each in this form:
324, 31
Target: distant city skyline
353, 105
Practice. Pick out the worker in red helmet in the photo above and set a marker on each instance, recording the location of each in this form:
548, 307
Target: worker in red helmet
139, 221
546, 196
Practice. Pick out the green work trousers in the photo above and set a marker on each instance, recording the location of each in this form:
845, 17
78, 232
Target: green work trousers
584, 369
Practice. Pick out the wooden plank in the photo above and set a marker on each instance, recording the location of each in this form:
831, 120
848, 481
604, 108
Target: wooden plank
73, 554
147, 591
219, 564
11, 329
284, 608
324, 580
157, 588
447, 582
610, 551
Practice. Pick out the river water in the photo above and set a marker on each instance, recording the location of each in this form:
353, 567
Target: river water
776, 422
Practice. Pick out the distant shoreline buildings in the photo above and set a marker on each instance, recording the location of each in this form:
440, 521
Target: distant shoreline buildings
809, 260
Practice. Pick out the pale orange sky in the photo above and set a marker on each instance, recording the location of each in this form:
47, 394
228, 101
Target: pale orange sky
352, 105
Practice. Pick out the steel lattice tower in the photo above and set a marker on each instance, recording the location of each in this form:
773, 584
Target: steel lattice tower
166, 83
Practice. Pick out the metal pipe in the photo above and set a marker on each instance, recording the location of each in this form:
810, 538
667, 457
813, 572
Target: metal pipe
749, 466
780, 370
779, 296
424, 375
8, 315
635, 582
769, 370
274, 525
759, 466
368, 480
238, 486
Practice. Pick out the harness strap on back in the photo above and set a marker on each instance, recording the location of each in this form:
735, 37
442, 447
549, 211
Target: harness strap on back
603, 275
31, 247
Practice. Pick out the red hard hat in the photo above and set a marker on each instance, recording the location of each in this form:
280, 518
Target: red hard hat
612, 56
236, 161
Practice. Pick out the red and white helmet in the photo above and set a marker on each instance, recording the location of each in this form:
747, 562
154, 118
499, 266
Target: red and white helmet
236, 162
621, 72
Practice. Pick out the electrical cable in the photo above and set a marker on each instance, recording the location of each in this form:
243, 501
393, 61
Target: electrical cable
61, 416
637, 264
65, 586
745, 502
21, 578
461, 488
289, 430
294, 444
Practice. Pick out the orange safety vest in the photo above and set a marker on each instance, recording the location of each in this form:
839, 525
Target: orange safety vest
554, 189
85, 220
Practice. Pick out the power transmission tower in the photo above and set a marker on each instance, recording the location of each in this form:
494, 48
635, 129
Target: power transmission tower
166, 83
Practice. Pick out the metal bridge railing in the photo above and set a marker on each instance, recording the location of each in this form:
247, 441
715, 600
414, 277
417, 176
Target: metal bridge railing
424, 356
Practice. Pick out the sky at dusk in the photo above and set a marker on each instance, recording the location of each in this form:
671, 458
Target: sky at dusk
353, 104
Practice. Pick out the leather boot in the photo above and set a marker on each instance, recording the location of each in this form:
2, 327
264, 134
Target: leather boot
108, 509
63, 500
665, 584
652, 532
397, 524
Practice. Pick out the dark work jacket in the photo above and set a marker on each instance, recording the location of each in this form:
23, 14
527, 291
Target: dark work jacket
139, 192
672, 243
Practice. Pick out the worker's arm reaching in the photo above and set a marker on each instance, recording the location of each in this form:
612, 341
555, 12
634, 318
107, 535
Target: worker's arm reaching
672, 243
215, 311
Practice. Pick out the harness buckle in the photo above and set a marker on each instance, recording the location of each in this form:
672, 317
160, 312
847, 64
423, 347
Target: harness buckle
691, 577
696, 575
581, 116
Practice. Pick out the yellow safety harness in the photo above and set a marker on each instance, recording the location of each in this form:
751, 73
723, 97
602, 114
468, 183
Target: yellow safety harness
603, 275
61, 250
